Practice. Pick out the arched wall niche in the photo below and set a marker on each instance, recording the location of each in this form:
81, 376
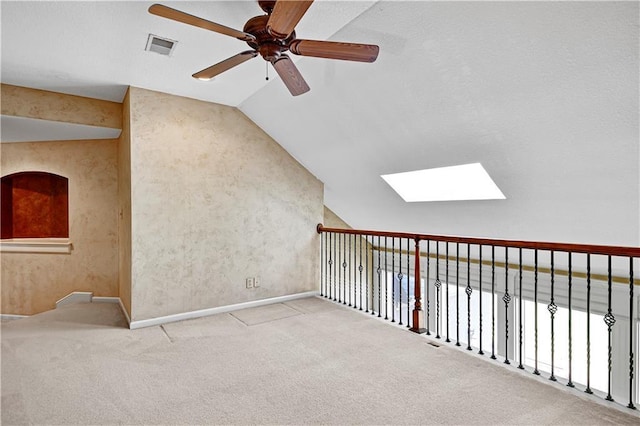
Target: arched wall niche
35, 204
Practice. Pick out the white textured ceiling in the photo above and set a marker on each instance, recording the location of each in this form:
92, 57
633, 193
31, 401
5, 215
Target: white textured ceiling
543, 94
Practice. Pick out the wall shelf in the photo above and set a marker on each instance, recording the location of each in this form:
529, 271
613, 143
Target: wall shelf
36, 245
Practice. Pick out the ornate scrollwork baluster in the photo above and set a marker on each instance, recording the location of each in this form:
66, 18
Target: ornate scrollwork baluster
552, 308
609, 320
468, 290
506, 299
569, 284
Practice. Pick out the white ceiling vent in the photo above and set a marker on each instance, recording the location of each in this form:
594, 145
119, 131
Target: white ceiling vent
161, 45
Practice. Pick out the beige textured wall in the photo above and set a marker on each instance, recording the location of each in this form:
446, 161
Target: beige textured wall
214, 200
25, 102
124, 208
332, 220
31, 283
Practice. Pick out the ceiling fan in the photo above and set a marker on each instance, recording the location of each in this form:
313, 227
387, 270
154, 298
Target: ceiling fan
271, 35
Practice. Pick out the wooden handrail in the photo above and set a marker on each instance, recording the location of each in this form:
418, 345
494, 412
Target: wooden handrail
563, 247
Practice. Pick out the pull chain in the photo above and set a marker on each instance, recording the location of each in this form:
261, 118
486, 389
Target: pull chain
267, 70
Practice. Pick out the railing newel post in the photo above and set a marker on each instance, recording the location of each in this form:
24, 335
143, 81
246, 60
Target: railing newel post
418, 313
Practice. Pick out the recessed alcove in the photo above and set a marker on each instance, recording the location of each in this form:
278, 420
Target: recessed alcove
35, 212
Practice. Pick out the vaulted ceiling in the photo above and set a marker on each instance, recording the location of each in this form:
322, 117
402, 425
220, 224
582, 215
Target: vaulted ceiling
543, 94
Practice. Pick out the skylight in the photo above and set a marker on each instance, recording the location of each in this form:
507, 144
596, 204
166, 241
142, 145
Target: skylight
454, 183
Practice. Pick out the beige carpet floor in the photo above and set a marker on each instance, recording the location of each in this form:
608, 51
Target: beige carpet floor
303, 362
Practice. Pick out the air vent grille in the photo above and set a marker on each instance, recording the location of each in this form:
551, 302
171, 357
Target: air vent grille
161, 45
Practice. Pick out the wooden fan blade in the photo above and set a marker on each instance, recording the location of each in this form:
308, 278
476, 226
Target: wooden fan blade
185, 18
220, 67
335, 50
285, 16
290, 75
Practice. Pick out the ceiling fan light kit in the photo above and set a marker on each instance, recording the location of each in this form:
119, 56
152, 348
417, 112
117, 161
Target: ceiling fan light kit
270, 36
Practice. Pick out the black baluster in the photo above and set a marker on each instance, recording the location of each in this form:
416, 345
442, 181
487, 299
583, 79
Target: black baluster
535, 309
480, 352
379, 270
360, 268
457, 294
330, 264
335, 277
344, 269
506, 299
468, 291
339, 267
588, 389
447, 287
426, 285
393, 280
349, 253
344, 264
327, 271
408, 283
326, 265
357, 262
386, 280
631, 327
569, 284
400, 276
355, 270
493, 304
609, 320
552, 310
520, 366
322, 260
368, 283
366, 267
437, 285
352, 269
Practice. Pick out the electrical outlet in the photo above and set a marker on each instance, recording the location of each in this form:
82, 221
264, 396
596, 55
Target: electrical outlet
256, 282
249, 282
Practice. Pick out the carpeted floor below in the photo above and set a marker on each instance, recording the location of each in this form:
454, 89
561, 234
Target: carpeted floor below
308, 361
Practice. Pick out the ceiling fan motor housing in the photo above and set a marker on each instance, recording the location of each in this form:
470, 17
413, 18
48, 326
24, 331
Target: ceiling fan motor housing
270, 47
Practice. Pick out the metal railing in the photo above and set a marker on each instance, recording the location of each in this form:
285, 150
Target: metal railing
567, 311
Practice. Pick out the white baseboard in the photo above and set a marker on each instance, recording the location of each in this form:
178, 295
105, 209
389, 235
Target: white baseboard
82, 297
11, 317
219, 310
105, 299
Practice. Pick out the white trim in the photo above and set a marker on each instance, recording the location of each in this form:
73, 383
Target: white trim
36, 245
219, 310
75, 297
12, 316
105, 299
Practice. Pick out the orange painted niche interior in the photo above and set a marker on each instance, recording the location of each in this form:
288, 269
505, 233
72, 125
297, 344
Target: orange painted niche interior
35, 205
